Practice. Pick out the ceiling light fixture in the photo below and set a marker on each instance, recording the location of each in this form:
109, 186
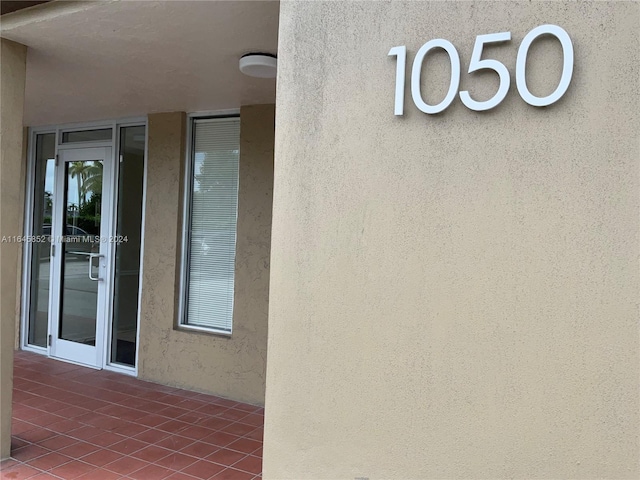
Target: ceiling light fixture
261, 65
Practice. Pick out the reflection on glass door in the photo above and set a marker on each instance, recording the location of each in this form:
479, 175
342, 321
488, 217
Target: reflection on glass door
80, 267
80, 249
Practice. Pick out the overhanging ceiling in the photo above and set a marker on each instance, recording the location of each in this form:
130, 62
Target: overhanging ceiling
8, 6
111, 59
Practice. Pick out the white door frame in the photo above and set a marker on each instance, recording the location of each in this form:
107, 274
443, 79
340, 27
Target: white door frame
114, 144
64, 349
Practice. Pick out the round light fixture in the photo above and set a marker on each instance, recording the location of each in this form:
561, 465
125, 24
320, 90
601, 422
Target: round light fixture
261, 65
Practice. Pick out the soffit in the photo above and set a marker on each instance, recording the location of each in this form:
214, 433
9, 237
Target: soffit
108, 59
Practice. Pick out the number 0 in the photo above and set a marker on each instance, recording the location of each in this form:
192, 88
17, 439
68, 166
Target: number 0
417, 70
567, 67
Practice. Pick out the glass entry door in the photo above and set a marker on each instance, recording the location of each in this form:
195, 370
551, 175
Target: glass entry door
81, 254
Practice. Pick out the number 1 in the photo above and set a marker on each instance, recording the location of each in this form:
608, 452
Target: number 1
401, 53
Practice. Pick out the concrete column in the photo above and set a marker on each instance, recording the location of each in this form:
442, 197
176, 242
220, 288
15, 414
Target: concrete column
454, 295
162, 235
12, 80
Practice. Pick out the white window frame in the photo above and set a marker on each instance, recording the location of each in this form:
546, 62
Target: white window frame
114, 143
186, 223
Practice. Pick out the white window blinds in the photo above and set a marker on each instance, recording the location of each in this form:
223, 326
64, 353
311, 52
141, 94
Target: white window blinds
212, 234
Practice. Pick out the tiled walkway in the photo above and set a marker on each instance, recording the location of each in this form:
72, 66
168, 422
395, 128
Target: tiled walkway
73, 422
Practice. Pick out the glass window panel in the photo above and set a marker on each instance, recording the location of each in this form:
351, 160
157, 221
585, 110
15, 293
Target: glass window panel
41, 249
212, 228
128, 230
101, 134
82, 219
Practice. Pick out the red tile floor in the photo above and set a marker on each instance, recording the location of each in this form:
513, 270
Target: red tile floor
74, 422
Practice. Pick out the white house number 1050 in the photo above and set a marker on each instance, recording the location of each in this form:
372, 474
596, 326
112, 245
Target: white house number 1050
477, 64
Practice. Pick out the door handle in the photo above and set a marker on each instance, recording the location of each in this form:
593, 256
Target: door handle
91, 257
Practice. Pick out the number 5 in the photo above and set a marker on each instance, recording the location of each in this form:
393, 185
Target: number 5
477, 64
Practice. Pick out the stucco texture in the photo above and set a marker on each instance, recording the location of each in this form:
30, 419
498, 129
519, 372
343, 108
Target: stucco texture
232, 367
12, 175
454, 296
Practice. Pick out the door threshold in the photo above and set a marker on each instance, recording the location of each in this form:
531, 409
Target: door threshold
93, 367
35, 349
123, 369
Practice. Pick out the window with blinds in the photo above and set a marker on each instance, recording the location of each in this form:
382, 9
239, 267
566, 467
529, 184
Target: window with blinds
211, 224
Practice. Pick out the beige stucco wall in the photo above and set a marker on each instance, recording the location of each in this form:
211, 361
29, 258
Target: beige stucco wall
230, 367
12, 171
454, 296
